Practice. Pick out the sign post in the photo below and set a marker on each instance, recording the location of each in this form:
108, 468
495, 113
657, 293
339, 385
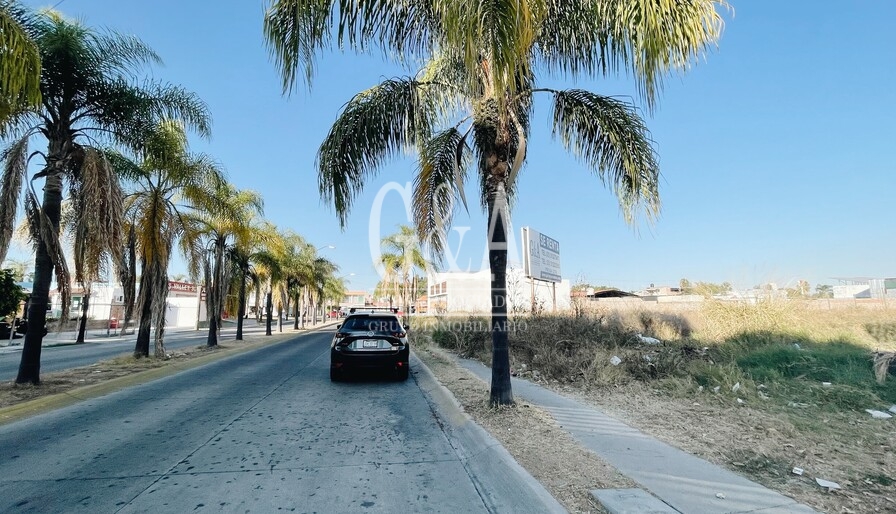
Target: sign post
541, 261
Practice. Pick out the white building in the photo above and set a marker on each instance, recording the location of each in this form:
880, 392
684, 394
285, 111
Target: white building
865, 287
454, 292
183, 304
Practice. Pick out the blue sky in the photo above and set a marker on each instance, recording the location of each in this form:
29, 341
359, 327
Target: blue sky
773, 150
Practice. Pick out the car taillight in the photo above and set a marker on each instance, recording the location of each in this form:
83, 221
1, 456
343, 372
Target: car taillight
339, 337
398, 334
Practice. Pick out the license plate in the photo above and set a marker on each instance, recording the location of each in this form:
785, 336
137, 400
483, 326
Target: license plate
370, 343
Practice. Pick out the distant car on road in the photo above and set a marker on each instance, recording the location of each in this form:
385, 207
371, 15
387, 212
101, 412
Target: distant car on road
372, 339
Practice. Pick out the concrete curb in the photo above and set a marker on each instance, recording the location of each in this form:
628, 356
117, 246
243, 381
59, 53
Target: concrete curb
56, 401
503, 484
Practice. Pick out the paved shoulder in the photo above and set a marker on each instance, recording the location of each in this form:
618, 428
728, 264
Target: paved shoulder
504, 485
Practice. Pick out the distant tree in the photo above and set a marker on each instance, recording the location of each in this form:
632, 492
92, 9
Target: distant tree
11, 294
824, 291
685, 286
21, 269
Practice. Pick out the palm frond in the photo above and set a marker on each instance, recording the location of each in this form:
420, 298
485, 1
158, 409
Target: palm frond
15, 163
375, 125
20, 62
296, 31
646, 37
124, 168
449, 84
494, 37
99, 207
610, 138
131, 114
122, 53
443, 163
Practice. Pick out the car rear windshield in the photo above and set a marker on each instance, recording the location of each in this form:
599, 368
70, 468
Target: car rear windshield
373, 324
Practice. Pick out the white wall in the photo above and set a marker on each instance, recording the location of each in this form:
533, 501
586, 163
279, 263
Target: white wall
852, 291
181, 311
471, 292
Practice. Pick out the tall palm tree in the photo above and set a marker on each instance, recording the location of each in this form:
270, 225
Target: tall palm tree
323, 272
220, 227
299, 275
251, 248
19, 60
168, 184
469, 107
89, 97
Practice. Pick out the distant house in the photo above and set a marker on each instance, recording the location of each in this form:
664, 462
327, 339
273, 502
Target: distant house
354, 299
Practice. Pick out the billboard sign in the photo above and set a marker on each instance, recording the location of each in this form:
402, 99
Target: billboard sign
541, 256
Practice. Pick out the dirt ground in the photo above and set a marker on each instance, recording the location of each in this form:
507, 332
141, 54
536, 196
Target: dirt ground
855, 451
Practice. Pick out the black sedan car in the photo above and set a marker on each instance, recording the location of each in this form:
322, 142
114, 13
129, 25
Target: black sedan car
370, 340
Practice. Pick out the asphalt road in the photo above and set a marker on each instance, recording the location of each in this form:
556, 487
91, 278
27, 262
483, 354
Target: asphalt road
55, 358
263, 431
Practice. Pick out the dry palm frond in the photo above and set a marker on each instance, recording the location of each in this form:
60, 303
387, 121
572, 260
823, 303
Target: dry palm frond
99, 206
15, 162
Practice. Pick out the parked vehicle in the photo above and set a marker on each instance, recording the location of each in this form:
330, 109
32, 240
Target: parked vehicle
370, 340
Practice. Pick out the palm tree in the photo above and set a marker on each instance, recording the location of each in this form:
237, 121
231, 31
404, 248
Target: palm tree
20, 62
227, 222
401, 258
169, 184
88, 95
251, 249
323, 272
470, 106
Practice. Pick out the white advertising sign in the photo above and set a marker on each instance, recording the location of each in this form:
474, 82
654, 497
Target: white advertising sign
541, 257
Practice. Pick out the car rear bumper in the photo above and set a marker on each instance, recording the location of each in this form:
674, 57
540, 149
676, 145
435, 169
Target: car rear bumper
369, 360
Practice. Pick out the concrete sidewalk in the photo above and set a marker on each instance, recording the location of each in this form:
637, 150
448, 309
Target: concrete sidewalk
686, 484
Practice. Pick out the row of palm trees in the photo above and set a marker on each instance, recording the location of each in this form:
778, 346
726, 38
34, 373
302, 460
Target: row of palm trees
121, 189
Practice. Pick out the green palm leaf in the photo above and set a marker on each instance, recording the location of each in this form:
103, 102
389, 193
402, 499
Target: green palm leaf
443, 163
610, 138
375, 125
297, 30
19, 60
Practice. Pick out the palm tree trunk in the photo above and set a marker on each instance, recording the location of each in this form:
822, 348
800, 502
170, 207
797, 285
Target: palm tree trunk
215, 293
129, 279
295, 319
501, 392
160, 306
29, 366
269, 309
144, 302
242, 306
82, 324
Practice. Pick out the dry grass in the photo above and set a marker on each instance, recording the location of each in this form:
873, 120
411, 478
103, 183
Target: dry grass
804, 376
